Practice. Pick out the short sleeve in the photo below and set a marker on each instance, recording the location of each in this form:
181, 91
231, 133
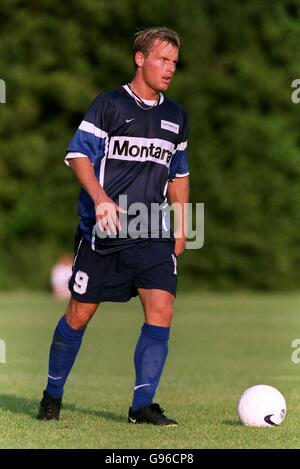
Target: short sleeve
179, 163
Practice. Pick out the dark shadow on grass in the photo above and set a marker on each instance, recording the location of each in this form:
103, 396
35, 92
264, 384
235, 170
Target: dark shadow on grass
232, 422
96, 413
23, 406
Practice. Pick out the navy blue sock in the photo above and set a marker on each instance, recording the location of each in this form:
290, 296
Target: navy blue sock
149, 359
64, 348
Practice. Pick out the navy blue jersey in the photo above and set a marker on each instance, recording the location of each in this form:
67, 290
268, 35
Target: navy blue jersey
134, 152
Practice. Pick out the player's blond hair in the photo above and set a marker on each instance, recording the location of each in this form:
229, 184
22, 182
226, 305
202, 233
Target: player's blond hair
145, 39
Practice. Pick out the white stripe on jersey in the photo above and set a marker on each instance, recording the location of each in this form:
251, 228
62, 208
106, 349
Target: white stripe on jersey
92, 129
93, 237
102, 168
101, 182
75, 257
73, 154
182, 146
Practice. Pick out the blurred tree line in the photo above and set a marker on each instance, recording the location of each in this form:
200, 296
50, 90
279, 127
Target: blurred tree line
237, 62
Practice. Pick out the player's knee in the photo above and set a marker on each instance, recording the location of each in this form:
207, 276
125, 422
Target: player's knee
167, 311
78, 322
161, 314
79, 314
169, 314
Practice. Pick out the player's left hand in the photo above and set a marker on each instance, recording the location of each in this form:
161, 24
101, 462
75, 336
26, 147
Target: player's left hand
179, 245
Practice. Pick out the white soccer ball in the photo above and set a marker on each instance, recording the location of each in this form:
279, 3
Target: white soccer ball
261, 406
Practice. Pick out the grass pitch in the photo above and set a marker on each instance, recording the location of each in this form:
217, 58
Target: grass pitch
219, 346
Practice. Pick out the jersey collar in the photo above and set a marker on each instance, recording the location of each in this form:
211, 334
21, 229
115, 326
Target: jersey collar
146, 101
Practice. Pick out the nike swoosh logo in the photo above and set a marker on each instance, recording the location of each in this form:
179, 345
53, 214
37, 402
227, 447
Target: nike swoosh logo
60, 377
129, 120
132, 420
140, 386
268, 420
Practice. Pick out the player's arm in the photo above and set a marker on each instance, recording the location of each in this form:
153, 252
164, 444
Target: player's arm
106, 209
84, 152
84, 172
178, 196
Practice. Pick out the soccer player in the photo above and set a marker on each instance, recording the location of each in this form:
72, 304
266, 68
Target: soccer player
130, 146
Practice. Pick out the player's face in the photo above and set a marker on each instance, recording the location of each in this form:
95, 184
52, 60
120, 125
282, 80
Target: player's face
159, 66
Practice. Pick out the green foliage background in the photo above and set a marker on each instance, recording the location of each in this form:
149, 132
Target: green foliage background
238, 60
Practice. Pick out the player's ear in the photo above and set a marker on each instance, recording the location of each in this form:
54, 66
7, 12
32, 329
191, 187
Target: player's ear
139, 58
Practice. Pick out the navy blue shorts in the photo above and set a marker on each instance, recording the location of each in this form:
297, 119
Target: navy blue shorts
116, 276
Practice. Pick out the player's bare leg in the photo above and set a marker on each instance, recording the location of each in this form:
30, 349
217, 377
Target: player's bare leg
79, 314
158, 306
150, 356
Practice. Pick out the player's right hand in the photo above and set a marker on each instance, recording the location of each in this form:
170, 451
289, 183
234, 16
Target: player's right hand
107, 216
